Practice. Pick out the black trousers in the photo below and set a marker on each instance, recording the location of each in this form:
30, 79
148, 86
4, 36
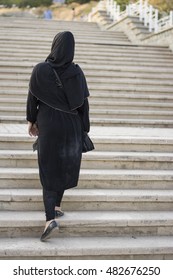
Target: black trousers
51, 199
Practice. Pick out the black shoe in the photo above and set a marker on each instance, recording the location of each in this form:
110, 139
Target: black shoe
48, 231
59, 213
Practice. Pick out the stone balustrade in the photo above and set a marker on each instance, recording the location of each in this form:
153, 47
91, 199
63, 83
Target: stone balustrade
145, 12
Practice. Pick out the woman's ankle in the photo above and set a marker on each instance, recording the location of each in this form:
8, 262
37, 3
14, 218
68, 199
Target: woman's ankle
57, 208
48, 223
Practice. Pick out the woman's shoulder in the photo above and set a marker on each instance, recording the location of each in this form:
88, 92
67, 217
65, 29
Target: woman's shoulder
41, 66
78, 68
41, 69
74, 69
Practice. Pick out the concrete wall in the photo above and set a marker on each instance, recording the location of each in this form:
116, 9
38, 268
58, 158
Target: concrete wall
123, 25
164, 37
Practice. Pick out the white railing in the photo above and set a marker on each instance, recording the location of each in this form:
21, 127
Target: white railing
113, 10
166, 22
145, 12
100, 7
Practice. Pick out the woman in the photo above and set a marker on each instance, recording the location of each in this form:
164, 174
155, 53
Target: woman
58, 111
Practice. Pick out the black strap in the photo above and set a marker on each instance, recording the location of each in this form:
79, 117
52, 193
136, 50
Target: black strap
58, 81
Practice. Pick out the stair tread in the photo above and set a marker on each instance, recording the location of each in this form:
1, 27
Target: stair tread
21, 154
95, 93
92, 195
84, 218
101, 121
96, 246
162, 111
89, 171
118, 120
20, 130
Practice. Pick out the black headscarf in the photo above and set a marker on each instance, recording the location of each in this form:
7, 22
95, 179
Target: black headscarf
43, 80
62, 51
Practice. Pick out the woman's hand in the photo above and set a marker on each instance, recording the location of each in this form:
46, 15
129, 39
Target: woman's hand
32, 129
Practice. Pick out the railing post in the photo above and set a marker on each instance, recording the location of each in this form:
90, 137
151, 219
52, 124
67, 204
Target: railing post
118, 11
114, 11
151, 19
108, 7
145, 13
156, 20
141, 10
111, 8
128, 10
171, 18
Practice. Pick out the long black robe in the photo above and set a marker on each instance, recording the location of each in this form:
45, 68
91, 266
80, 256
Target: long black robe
60, 132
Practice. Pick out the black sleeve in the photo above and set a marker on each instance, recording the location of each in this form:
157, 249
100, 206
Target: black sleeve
84, 115
31, 108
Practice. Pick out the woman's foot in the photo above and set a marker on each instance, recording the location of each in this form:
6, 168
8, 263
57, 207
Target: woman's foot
50, 226
58, 212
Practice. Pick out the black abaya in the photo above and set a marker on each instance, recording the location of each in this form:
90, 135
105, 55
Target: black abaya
59, 143
59, 153
60, 114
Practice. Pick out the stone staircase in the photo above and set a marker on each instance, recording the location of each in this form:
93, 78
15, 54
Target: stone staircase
119, 74
138, 27
123, 206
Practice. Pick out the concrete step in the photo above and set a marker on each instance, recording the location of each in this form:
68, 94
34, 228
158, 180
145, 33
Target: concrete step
106, 71
98, 79
90, 200
139, 25
92, 178
125, 248
27, 67
15, 141
87, 29
14, 101
118, 94
11, 99
86, 223
123, 122
46, 34
12, 119
80, 37
39, 40
126, 122
154, 94
95, 56
122, 61
95, 160
30, 62
132, 114
100, 113
36, 23
124, 139
24, 74
130, 105
112, 143
97, 83
19, 47
125, 96
17, 111
17, 98
129, 81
